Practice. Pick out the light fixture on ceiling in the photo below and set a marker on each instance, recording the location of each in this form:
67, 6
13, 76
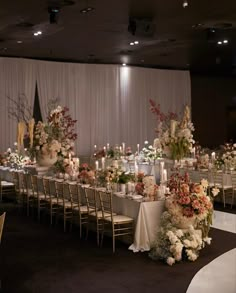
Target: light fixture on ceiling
38, 33
134, 43
19, 42
224, 42
124, 64
87, 10
185, 3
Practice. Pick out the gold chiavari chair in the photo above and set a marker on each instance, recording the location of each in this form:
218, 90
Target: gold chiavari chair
79, 209
219, 182
65, 206
119, 224
94, 214
50, 198
40, 200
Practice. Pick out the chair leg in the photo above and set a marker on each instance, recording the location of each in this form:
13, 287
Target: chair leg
38, 211
64, 223
232, 201
223, 197
113, 242
98, 233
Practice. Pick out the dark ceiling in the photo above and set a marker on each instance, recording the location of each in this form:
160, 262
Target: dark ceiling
169, 35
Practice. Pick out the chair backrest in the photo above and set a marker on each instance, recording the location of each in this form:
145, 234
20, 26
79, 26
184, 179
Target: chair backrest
106, 203
46, 187
74, 194
60, 191
218, 178
233, 178
2, 219
91, 199
23, 182
16, 181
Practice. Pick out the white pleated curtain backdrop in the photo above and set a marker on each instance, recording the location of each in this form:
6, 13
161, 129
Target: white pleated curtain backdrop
17, 77
110, 102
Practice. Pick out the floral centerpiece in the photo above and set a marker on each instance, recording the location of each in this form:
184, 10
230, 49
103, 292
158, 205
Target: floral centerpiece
15, 158
174, 136
229, 156
150, 154
86, 174
186, 223
55, 138
146, 186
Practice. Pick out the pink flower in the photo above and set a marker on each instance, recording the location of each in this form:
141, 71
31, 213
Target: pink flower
188, 212
196, 204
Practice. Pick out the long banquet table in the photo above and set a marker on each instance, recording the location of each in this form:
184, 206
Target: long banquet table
146, 215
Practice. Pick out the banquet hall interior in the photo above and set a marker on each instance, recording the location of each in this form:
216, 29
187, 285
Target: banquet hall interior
118, 146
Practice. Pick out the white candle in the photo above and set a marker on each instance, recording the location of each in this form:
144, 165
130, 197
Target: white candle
69, 156
164, 175
108, 146
194, 152
213, 156
123, 147
96, 165
138, 148
135, 167
161, 170
103, 163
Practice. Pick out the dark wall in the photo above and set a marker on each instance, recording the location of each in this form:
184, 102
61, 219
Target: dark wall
213, 106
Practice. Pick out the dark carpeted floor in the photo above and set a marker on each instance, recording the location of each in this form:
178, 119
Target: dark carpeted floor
37, 258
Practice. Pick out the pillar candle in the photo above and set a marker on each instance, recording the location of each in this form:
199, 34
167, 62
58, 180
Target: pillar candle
96, 165
138, 148
103, 163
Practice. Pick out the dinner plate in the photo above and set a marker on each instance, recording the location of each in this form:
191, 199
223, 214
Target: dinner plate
137, 196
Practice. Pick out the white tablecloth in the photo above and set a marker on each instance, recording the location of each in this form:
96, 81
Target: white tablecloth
147, 225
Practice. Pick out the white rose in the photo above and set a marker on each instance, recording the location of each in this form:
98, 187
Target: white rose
170, 261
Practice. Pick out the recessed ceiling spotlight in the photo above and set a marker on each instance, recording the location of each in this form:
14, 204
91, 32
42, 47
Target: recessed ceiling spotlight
185, 3
219, 43
124, 64
196, 25
136, 42
38, 33
131, 44
86, 10
225, 41
19, 42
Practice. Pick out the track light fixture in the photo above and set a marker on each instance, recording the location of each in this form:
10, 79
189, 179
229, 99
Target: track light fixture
185, 3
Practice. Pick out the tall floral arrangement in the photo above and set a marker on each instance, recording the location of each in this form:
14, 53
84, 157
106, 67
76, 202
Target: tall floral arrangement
186, 222
173, 136
55, 137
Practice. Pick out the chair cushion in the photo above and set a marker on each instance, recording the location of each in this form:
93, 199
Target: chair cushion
6, 183
82, 209
100, 216
120, 219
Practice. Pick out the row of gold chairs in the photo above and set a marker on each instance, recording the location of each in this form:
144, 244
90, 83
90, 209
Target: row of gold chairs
72, 202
